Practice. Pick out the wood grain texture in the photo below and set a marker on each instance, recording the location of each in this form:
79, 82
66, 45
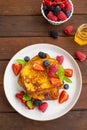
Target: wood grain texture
34, 26
9, 46
21, 25
74, 120
31, 7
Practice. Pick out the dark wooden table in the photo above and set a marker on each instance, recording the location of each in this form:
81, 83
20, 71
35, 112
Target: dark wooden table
21, 25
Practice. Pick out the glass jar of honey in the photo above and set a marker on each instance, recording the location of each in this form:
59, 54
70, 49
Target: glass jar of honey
81, 35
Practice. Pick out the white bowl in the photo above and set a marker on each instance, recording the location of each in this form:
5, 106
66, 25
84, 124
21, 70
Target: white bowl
59, 22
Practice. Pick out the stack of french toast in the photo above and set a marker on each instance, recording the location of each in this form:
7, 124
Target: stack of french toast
35, 79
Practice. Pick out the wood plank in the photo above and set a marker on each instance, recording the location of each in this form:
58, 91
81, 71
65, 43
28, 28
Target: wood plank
28, 7
34, 25
74, 120
80, 7
9, 46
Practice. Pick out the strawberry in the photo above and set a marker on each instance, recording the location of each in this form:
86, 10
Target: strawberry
68, 72
81, 56
38, 67
60, 59
68, 30
63, 97
61, 15
55, 81
43, 107
51, 16
16, 68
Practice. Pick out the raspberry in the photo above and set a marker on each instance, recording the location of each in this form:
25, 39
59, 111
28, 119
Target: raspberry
65, 1
51, 16
68, 30
43, 106
48, 3
52, 70
57, 0
60, 59
62, 16
68, 6
81, 56
62, 5
53, 34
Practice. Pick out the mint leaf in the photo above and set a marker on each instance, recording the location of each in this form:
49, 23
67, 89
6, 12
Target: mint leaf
29, 104
67, 79
60, 73
20, 61
26, 97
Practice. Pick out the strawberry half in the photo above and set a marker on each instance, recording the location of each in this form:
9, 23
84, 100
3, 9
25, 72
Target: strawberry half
43, 106
63, 97
16, 68
38, 67
55, 81
68, 72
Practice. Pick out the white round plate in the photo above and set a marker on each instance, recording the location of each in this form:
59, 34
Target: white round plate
54, 109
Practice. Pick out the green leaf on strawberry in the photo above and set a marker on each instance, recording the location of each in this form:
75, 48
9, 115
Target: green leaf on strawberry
26, 97
20, 61
61, 75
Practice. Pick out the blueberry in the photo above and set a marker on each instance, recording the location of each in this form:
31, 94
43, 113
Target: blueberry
26, 58
66, 86
51, 8
46, 12
42, 54
46, 63
53, 34
64, 10
44, 7
37, 102
68, 14
57, 10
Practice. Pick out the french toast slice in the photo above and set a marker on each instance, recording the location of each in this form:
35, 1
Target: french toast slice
37, 83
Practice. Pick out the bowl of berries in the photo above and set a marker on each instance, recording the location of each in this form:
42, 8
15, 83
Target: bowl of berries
57, 12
